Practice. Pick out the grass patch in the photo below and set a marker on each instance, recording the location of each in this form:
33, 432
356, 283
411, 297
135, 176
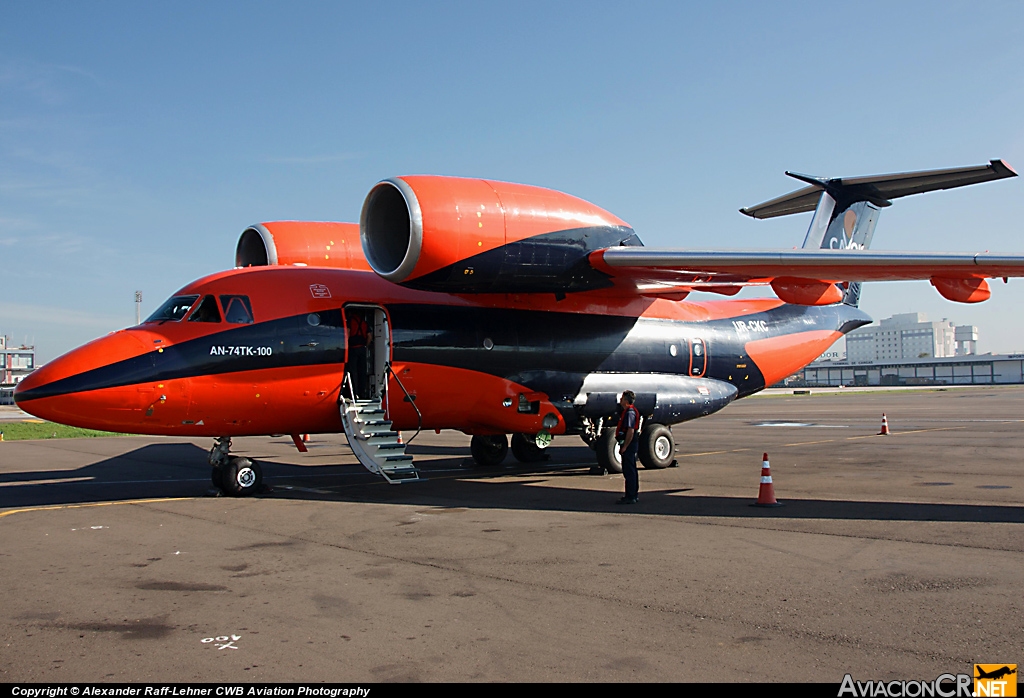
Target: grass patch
35, 429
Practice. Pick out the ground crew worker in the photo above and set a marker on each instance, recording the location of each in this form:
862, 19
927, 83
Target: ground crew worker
358, 356
626, 434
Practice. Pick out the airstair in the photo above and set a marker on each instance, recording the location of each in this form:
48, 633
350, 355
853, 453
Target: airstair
374, 443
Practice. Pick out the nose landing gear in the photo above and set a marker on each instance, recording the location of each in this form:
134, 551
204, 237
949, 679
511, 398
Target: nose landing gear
233, 475
528, 448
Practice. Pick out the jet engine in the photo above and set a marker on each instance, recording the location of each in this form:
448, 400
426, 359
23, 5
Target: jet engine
301, 243
475, 235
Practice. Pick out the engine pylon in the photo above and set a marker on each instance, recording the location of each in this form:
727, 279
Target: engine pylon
766, 495
885, 426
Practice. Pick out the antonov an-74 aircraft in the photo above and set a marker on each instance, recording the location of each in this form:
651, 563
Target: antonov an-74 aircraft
494, 309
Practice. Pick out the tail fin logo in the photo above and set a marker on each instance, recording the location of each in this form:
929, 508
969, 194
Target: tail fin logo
845, 240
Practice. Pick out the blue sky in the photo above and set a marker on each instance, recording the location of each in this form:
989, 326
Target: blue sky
137, 140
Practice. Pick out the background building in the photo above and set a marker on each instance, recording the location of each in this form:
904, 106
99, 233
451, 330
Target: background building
908, 349
16, 362
985, 369
910, 336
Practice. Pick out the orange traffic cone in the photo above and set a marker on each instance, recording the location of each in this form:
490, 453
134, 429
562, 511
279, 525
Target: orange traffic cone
305, 438
885, 426
766, 495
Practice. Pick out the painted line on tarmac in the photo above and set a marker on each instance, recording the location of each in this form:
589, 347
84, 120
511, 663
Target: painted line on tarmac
293, 488
57, 481
93, 504
91, 481
712, 453
871, 436
808, 443
901, 433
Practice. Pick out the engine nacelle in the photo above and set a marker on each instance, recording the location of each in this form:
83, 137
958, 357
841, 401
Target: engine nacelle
963, 290
475, 235
806, 291
301, 243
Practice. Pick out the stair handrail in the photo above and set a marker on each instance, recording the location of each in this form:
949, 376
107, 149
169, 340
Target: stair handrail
412, 401
341, 393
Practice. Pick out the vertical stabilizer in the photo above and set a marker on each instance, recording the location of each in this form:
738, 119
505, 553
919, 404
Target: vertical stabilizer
850, 228
841, 222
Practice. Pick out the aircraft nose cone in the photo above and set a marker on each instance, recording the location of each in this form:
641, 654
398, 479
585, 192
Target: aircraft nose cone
59, 391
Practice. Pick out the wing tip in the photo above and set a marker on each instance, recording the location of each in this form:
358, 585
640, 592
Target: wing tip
1002, 168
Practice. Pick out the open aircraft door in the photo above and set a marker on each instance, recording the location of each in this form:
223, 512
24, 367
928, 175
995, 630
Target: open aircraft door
369, 432
368, 341
381, 347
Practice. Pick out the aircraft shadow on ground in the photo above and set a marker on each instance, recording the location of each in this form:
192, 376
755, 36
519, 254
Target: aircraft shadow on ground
181, 470
430, 450
530, 493
156, 470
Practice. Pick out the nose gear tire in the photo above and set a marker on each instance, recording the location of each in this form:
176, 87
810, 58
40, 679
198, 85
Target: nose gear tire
241, 477
526, 450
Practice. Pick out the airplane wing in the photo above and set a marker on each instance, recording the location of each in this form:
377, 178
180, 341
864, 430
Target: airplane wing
669, 272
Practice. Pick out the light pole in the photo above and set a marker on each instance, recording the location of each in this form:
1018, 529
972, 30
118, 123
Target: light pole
138, 307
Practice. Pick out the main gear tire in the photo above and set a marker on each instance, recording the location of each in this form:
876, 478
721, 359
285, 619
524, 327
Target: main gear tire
489, 450
656, 446
608, 456
526, 450
241, 477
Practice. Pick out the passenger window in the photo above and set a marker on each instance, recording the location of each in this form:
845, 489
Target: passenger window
331, 318
174, 309
237, 309
207, 311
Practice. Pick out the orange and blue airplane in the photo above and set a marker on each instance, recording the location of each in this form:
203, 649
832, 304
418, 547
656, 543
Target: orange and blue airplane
495, 309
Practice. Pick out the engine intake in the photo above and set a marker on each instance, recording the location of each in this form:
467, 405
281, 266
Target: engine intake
393, 225
301, 243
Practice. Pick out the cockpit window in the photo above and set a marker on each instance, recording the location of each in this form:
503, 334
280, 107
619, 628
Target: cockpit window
237, 309
207, 311
174, 309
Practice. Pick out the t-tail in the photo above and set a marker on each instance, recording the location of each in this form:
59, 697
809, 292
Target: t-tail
846, 210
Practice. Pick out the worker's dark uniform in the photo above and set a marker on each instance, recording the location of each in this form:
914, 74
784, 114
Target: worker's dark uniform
630, 419
358, 357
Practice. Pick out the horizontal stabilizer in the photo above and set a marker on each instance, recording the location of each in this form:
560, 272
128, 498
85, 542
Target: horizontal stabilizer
876, 189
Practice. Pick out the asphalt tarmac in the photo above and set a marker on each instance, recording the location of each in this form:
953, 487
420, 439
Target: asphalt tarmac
893, 557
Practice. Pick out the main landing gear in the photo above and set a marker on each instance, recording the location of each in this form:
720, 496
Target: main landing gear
607, 450
656, 448
491, 450
233, 475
